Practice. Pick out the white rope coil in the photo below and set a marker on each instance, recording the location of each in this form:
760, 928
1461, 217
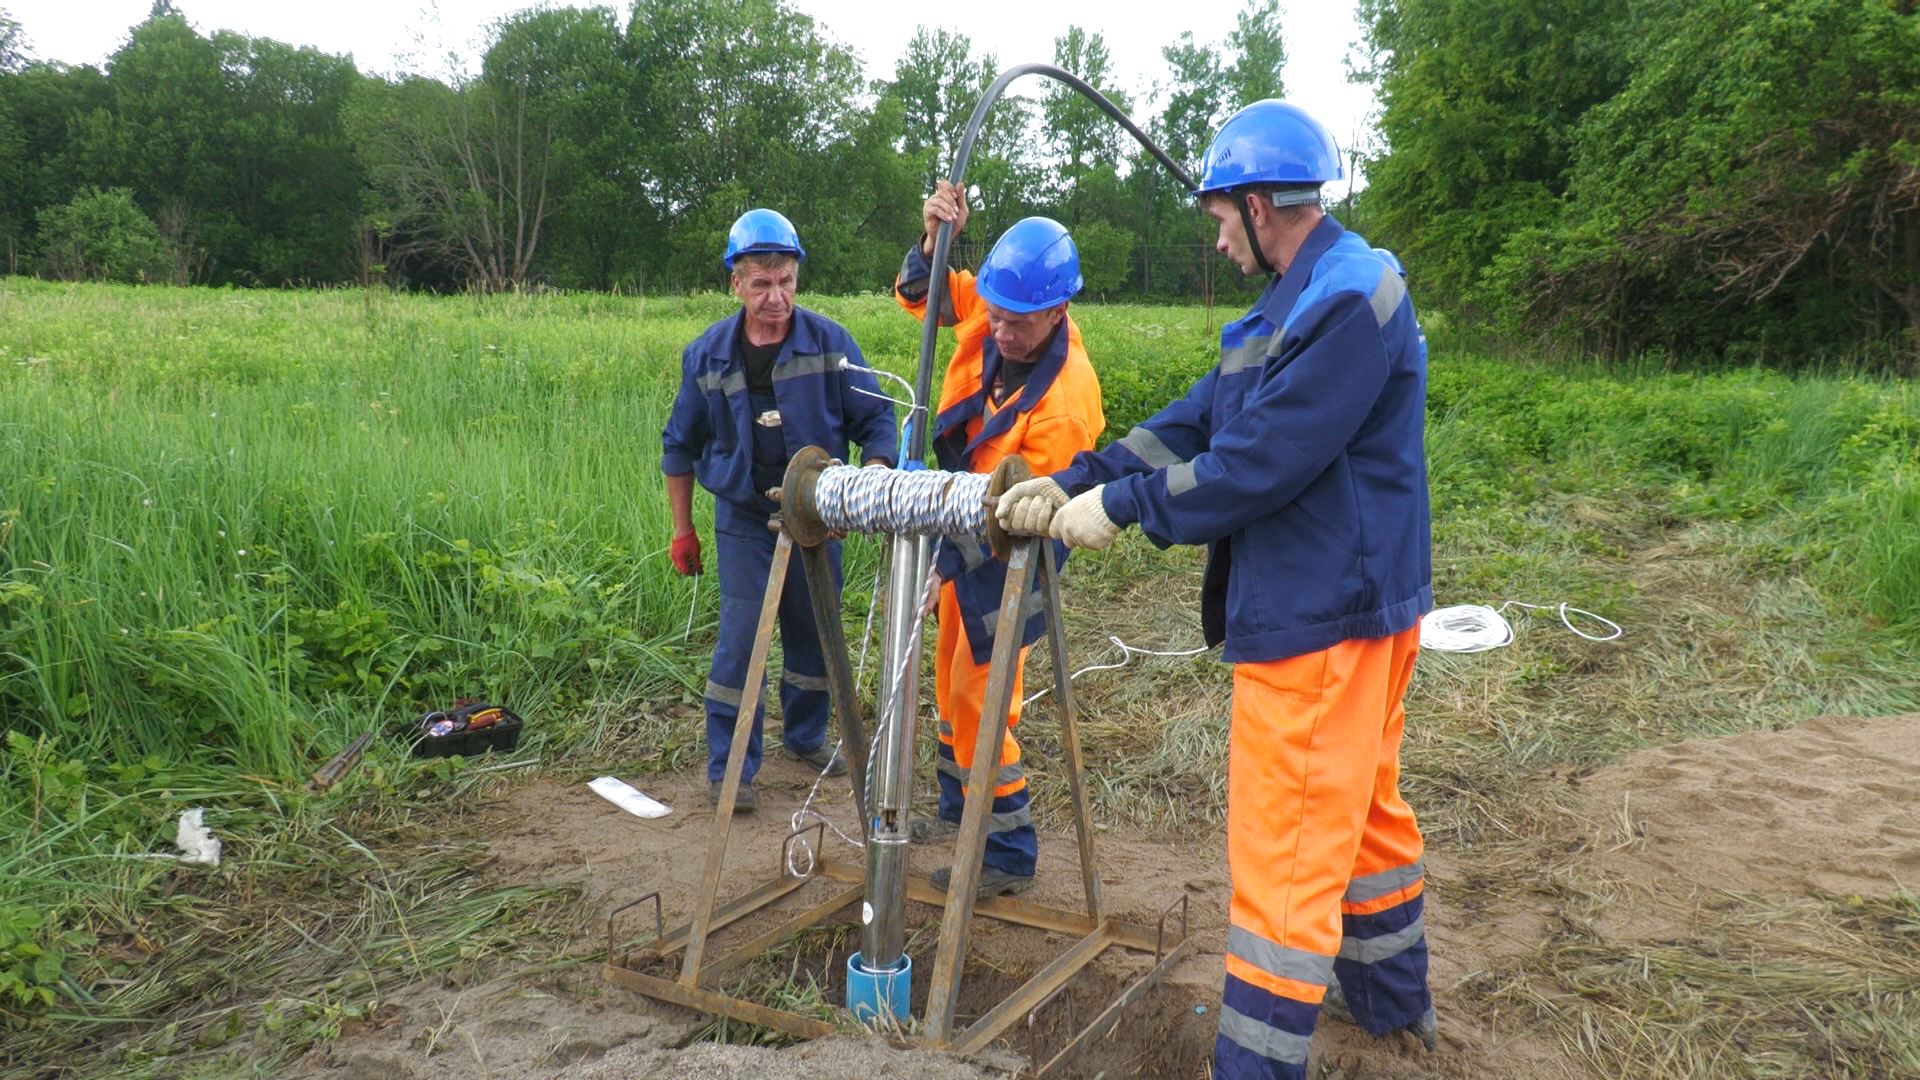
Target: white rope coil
1470, 628
922, 502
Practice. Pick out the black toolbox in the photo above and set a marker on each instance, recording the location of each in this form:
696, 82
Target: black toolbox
467, 729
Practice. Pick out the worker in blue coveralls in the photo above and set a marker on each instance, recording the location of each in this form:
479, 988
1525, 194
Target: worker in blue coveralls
1299, 461
756, 387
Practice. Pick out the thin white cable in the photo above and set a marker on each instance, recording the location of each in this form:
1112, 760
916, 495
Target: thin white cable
1471, 628
806, 810
910, 405
1127, 653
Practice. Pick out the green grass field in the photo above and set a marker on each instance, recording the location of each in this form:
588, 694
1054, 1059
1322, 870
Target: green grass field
239, 528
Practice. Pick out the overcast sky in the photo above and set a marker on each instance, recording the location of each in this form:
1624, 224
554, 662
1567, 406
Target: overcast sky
413, 35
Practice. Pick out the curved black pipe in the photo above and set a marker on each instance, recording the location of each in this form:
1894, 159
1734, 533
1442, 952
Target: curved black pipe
919, 434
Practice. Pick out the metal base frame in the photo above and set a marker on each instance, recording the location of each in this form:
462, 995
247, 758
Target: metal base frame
696, 986
1168, 946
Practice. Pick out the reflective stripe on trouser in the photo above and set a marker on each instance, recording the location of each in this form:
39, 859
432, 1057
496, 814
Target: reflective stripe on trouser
959, 688
745, 554
1320, 846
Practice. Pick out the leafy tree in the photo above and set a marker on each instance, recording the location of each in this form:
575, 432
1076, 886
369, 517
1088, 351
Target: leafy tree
41, 109
1083, 140
1197, 92
1106, 257
1480, 105
102, 236
744, 103
13, 44
236, 147
462, 182
1756, 184
937, 83
1259, 54
735, 102
579, 87
293, 183
160, 131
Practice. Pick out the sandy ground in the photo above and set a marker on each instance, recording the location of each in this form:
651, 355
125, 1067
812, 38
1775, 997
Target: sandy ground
1825, 807
1818, 809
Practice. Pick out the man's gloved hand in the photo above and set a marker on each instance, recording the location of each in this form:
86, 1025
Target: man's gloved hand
1026, 508
686, 552
1083, 523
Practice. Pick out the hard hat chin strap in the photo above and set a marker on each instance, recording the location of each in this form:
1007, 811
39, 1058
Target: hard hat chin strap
1241, 201
1302, 195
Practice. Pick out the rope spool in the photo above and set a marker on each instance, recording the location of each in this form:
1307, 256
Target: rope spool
820, 497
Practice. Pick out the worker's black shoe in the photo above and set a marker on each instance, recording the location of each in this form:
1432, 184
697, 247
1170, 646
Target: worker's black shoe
925, 830
820, 757
1426, 1029
992, 882
744, 800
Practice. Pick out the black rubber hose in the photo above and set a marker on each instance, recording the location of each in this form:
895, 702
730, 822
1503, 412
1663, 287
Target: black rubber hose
943, 238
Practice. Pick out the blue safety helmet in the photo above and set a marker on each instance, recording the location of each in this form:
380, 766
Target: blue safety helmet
763, 232
1034, 266
1269, 142
1392, 260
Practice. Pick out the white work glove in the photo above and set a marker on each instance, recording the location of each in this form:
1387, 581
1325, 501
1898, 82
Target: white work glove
1083, 522
1026, 508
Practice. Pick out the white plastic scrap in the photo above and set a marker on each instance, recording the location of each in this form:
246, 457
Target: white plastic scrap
627, 797
198, 846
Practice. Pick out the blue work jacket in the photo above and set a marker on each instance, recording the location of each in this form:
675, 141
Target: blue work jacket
709, 432
1298, 459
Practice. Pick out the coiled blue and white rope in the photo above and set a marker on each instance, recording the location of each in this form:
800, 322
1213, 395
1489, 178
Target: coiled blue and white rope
922, 502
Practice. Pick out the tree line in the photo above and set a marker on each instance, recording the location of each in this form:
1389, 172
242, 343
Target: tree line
589, 148
1696, 177
1693, 177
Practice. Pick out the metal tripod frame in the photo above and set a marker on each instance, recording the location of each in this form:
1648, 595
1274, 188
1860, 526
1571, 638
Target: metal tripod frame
698, 981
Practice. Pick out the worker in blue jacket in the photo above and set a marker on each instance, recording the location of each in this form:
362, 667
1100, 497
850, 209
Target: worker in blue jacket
755, 387
1298, 460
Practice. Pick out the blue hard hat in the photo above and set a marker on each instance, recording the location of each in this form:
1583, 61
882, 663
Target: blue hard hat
1392, 260
1033, 266
1269, 142
758, 231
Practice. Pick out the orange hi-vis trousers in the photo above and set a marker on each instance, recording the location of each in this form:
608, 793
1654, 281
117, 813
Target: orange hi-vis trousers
1325, 855
959, 690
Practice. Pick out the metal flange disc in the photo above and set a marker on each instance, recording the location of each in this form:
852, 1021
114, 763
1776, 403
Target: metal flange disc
1010, 471
798, 511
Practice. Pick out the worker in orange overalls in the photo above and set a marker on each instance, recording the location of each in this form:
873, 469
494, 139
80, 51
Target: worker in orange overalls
1019, 383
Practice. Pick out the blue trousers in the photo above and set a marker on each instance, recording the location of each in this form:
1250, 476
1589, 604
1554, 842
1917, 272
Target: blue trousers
745, 554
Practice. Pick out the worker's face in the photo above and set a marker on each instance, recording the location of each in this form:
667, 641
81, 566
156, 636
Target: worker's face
1232, 240
1020, 334
767, 291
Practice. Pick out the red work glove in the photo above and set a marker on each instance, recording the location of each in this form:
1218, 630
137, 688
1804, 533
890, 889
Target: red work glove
686, 553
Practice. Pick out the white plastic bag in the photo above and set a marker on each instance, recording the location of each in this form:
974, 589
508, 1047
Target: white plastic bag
198, 846
627, 797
